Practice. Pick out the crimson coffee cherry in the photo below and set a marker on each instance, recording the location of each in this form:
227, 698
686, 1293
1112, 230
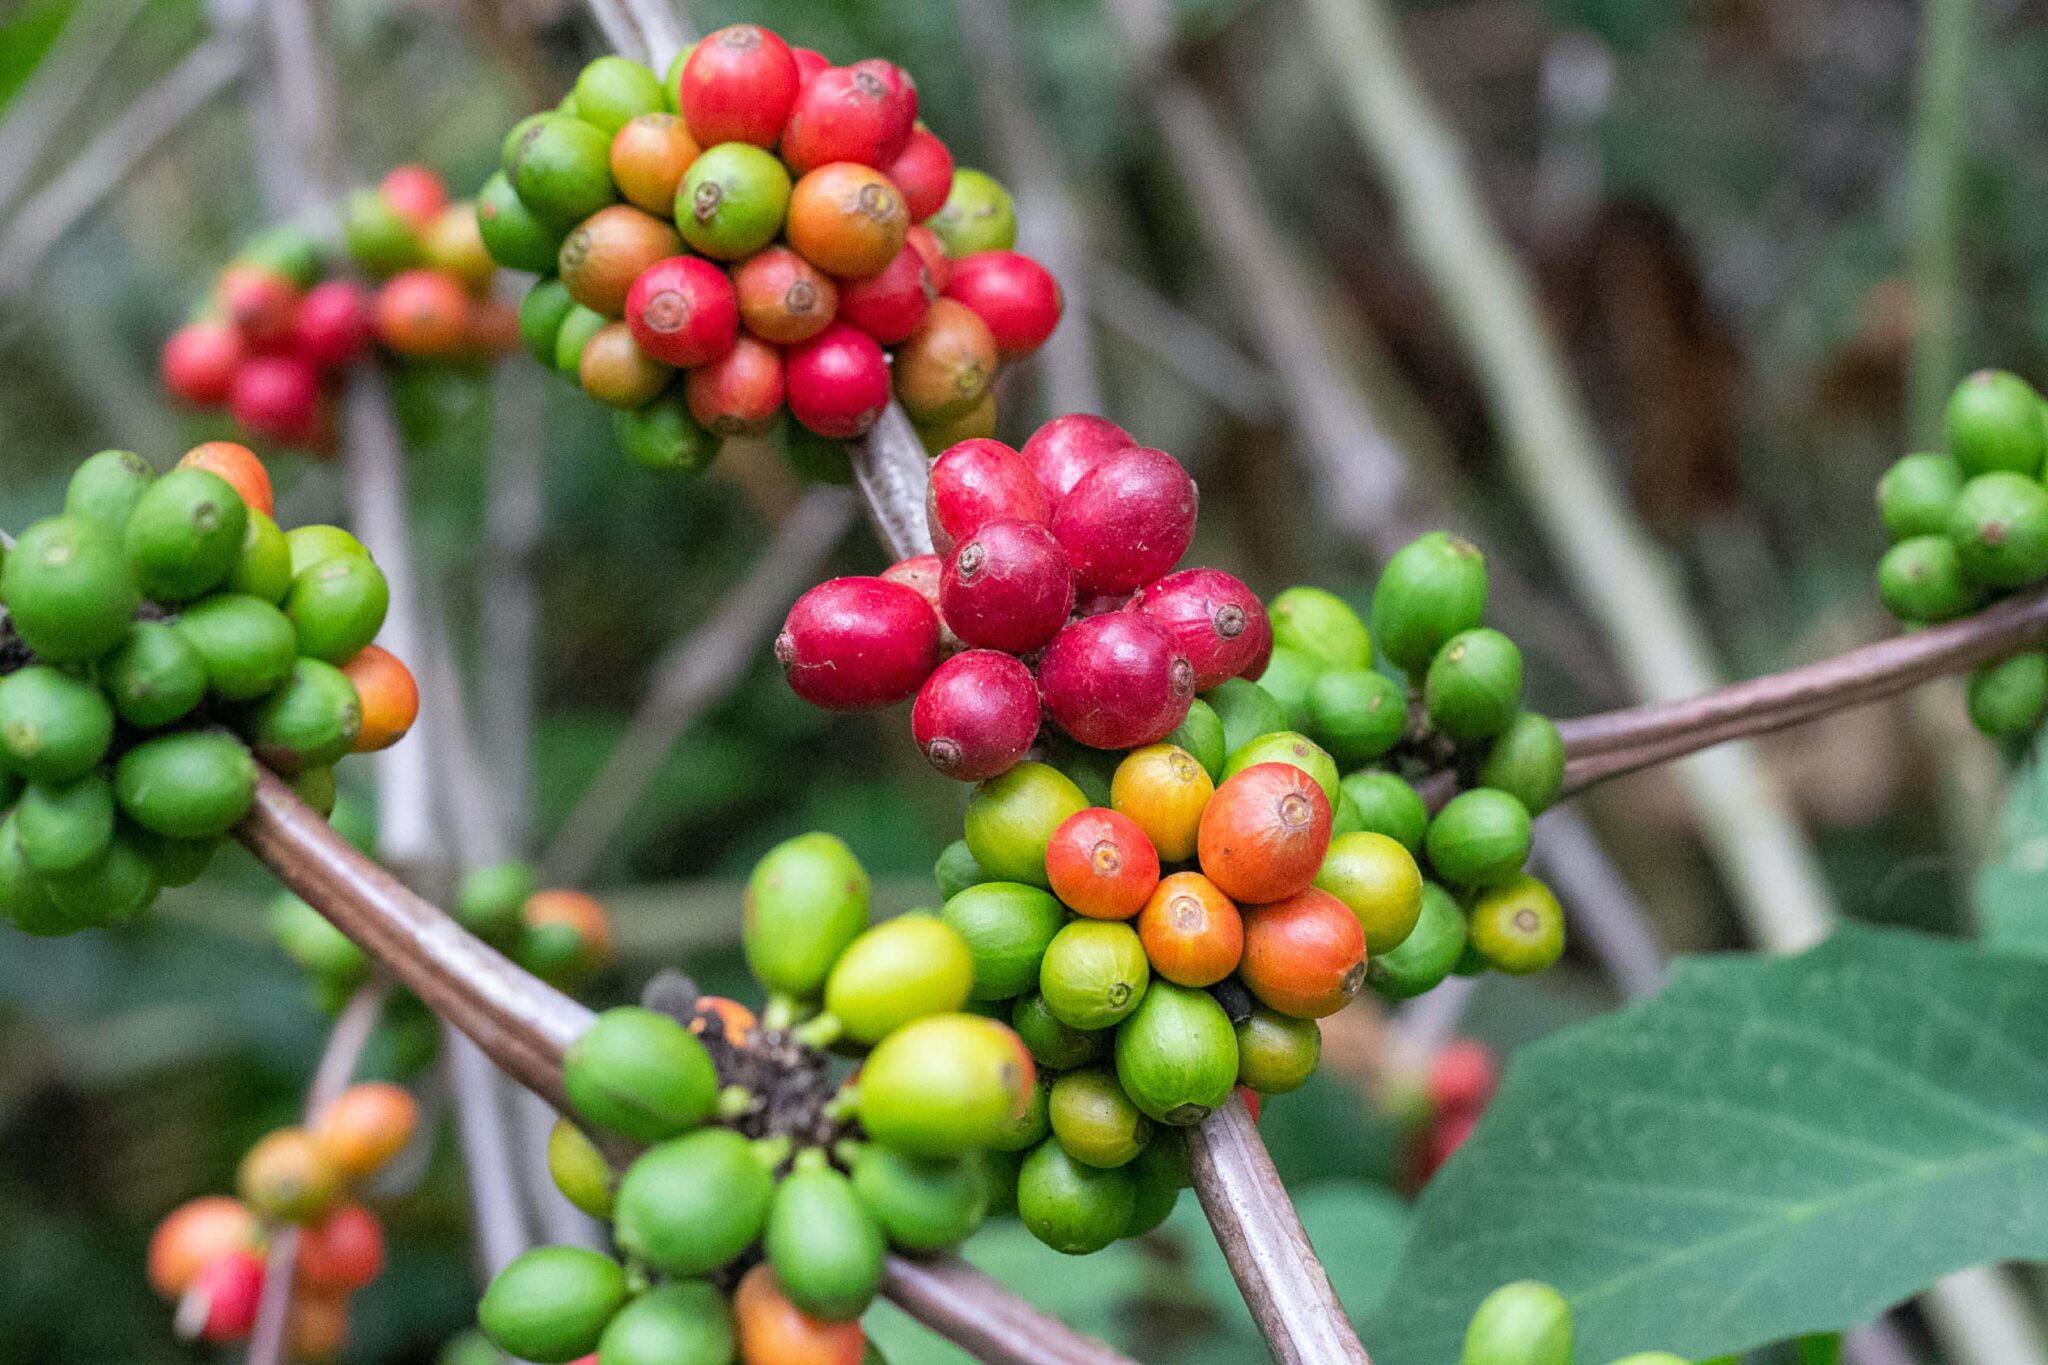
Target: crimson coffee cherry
976, 715
1128, 521
414, 193
783, 297
1066, 448
683, 311
220, 1306
1116, 681
1214, 619
1016, 296
890, 306
1101, 864
260, 302
937, 263
199, 361
923, 170
849, 113
974, 483
276, 396
809, 62
739, 393
738, 86
853, 644
1009, 587
333, 326
1462, 1076
838, 382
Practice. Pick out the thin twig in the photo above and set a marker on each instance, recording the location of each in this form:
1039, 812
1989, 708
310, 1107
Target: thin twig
892, 471
46, 102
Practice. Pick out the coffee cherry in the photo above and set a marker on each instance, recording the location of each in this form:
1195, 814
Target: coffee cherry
689, 1205
922, 573
1127, 521
649, 155
1264, 833
773, 1331
259, 301
890, 306
1474, 685
683, 311
976, 715
1066, 448
288, 1175
191, 785
1007, 927
1479, 838
977, 215
1008, 587
805, 902
580, 1170
1378, 882
427, 313
614, 370
612, 90
1214, 619
1291, 747
739, 393
1322, 625
1356, 714
1517, 926
193, 1236
921, 1204
246, 644
847, 220
1303, 956
105, 488
366, 1126
454, 245
1192, 933
379, 238
68, 589
2008, 697
1922, 580
944, 1085
1431, 589
938, 266
732, 201
853, 644
1176, 1056
220, 1304
1015, 295
263, 568
516, 236
1916, 495
568, 938
541, 314
605, 254
1524, 1323
663, 435
1102, 865
923, 170
1094, 1120
862, 114
561, 168
185, 534
1071, 1207
783, 298
344, 1252
1010, 820
1288, 677
1094, 973
551, 1304
1276, 1054
1163, 790
389, 696
199, 361
277, 397
825, 1246
334, 327
1116, 681
976, 482
738, 86
955, 869
640, 1074
1994, 423
1246, 711
53, 727
491, 900
936, 432
1052, 1043
838, 382
415, 193
945, 367
912, 966
65, 828
2000, 528
1526, 761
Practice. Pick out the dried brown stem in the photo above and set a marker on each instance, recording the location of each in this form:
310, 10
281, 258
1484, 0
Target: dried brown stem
985, 1319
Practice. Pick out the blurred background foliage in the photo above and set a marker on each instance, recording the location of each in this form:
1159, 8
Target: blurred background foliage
1714, 196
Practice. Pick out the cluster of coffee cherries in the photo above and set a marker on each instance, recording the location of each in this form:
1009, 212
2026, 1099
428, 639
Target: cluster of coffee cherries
162, 637
1530, 1323
1971, 526
562, 936
756, 1223
432, 299
779, 230
210, 1256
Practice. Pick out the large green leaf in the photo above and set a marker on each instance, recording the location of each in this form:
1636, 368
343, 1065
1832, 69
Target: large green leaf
1769, 1147
2011, 890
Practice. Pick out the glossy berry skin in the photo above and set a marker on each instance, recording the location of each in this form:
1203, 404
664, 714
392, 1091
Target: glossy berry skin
1066, 448
1116, 681
890, 306
944, 369
649, 156
199, 361
849, 113
738, 86
238, 465
838, 382
1994, 423
1193, 934
773, 1331
2000, 528
1303, 956
853, 644
334, 324
783, 298
1015, 295
1128, 521
976, 715
847, 220
276, 397
923, 573
605, 253
683, 311
739, 393
1264, 833
974, 483
1008, 587
1214, 619
1101, 864
923, 170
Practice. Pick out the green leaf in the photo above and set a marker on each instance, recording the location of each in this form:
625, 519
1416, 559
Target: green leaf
2011, 890
1768, 1148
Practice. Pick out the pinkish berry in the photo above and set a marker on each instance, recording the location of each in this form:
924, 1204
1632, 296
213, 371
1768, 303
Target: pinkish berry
975, 482
1008, 588
976, 715
922, 572
1116, 681
1128, 521
853, 644
1214, 619
1066, 448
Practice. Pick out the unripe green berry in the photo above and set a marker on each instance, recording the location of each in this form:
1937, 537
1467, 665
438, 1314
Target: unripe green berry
805, 902
2000, 528
1922, 581
69, 589
1480, 837
1321, 624
1524, 1323
552, 1304
640, 1074
185, 534
1385, 804
1517, 926
1356, 714
105, 489
1474, 685
1094, 1120
1916, 495
1994, 423
2007, 698
1429, 953
1526, 761
1431, 589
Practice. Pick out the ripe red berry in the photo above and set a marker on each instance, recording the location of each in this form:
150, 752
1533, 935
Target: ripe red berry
783, 297
334, 323
1429, 1149
1066, 448
1008, 587
220, 1305
260, 301
853, 644
738, 86
891, 305
1116, 681
343, 1253
923, 170
976, 715
277, 397
937, 263
739, 393
974, 483
1462, 1076
1214, 619
199, 361
1128, 521
1102, 865
683, 311
809, 62
1016, 296
848, 113
838, 382
415, 194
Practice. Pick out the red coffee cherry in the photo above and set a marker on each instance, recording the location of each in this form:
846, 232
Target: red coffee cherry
422, 313
1015, 295
809, 62
783, 297
334, 324
343, 1253
854, 644
1007, 587
1101, 864
849, 113
194, 1235
1214, 619
1116, 681
1066, 448
277, 397
838, 382
923, 170
199, 362
415, 194
976, 482
1303, 956
739, 393
738, 86
891, 305
258, 300
1462, 1076
976, 715
683, 311
220, 1305
1128, 521
937, 263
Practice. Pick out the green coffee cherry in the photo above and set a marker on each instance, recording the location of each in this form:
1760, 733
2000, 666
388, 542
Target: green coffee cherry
732, 201
310, 722
1994, 424
2008, 698
1094, 973
1053, 1044
1246, 710
806, 901
999, 1173
1094, 1120
913, 965
287, 249
191, 785
317, 787
943, 1085
1289, 675
315, 944
1388, 805
671, 1324
956, 870
691, 1204
662, 435
337, 606
1356, 714
580, 1170
1029, 1128
1429, 953
53, 727
1517, 926
825, 1246
1275, 1053
112, 889
1916, 495
1432, 589
541, 314
1071, 1207
561, 168
1524, 1323
1922, 581
551, 1304
24, 896
1010, 820
185, 535
105, 489
174, 862
1201, 734
490, 900
314, 545
1474, 685
922, 1204
247, 645
1007, 927
1292, 748
1526, 761
515, 236
68, 588
1176, 1055
640, 1074
65, 828
1320, 624
1478, 838
611, 91
2000, 529
378, 237
263, 569
1161, 1172
977, 216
